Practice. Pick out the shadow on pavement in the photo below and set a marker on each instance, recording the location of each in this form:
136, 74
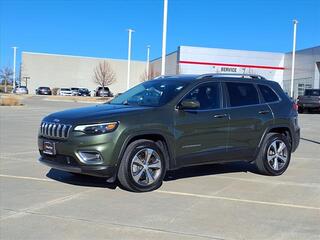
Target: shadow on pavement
187, 172
210, 169
79, 179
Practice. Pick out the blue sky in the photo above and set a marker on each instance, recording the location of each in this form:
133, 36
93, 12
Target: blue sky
97, 28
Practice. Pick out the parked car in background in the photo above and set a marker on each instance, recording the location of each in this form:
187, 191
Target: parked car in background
65, 92
74, 91
84, 92
20, 90
43, 91
103, 92
309, 101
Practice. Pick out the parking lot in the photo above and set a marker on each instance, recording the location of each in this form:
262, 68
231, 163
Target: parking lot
208, 202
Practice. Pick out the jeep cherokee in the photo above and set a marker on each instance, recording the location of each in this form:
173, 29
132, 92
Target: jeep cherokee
172, 122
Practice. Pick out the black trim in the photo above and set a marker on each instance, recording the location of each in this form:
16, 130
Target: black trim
170, 160
96, 170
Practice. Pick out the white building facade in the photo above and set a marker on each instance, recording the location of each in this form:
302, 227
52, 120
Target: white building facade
65, 71
56, 71
273, 66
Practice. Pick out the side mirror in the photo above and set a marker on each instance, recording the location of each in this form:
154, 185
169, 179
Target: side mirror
189, 104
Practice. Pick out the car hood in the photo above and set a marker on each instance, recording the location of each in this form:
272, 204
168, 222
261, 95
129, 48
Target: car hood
93, 114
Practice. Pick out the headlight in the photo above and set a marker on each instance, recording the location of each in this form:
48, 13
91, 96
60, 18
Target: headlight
99, 128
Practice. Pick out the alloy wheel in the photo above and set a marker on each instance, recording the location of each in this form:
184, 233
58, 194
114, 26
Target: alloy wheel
277, 155
146, 167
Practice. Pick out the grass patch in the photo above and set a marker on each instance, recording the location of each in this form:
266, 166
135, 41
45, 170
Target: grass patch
10, 101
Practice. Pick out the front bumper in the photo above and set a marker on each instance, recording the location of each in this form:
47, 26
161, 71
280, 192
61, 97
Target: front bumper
66, 154
69, 164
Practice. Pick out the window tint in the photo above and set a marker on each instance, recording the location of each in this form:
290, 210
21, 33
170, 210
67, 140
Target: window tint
241, 94
208, 95
268, 94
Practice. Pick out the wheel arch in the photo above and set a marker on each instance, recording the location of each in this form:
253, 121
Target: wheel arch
281, 129
159, 138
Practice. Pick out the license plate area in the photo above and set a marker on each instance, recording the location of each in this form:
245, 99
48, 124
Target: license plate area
49, 147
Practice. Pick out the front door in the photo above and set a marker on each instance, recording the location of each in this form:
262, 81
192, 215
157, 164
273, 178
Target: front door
202, 134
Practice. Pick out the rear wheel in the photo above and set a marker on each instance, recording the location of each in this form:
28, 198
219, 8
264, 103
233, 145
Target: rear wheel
275, 154
142, 167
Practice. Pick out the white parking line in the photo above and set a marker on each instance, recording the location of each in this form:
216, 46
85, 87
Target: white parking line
27, 178
17, 153
239, 200
195, 195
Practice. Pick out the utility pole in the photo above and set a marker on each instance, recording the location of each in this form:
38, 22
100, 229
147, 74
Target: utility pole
164, 37
148, 61
130, 31
26, 80
14, 66
295, 22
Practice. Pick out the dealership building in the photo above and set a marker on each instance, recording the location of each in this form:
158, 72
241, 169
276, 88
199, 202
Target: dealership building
57, 71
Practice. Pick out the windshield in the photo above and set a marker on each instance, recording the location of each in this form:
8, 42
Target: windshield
152, 93
312, 92
65, 89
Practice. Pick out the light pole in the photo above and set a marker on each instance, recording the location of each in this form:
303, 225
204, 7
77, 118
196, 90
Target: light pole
130, 31
164, 37
295, 22
148, 61
14, 66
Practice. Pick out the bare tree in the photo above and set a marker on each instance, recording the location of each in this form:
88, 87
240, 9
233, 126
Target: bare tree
152, 74
6, 77
103, 74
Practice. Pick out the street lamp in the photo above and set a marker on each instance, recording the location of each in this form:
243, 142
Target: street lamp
148, 61
164, 37
14, 66
130, 31
295, 22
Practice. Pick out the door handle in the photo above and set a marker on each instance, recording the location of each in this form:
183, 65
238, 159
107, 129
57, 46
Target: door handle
264, 112
220, 116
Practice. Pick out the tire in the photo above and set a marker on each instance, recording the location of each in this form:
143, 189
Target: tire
278, 162
135, 172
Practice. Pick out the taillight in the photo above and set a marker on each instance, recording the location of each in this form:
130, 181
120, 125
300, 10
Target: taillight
295, 106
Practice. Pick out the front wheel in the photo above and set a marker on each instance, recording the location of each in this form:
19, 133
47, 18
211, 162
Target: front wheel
275, 154
142, 167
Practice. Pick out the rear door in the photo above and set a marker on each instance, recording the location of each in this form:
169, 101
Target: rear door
249, 116
202, 134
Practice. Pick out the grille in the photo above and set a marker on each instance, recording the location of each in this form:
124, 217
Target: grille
55, 130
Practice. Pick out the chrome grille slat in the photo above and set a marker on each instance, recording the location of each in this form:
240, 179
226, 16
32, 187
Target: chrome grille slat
55, 130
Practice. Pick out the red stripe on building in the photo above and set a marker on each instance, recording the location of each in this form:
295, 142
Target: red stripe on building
232, 65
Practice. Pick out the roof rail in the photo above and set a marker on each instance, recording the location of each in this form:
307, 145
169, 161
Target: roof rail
214, 75
165, 76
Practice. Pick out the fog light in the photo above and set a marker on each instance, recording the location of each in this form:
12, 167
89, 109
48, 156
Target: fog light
90, 157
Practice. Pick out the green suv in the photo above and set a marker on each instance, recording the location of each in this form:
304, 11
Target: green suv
172, 122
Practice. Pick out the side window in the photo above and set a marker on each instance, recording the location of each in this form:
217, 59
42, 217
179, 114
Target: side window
268, 94
241, 94
208, 95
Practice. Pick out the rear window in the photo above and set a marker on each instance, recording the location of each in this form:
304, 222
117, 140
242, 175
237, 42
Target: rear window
242, 94
65, 89
268, 94
312, 92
